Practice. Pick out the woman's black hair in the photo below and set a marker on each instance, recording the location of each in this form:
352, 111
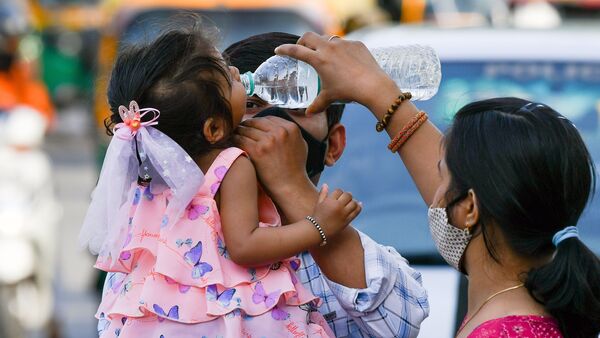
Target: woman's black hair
181, 74
532, 175
251, 52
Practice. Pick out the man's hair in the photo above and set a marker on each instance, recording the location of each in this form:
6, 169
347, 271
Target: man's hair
250, 53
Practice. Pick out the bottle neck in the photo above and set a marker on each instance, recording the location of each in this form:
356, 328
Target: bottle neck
247, 80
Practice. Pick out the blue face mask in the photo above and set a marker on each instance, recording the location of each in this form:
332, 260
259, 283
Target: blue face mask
315, 161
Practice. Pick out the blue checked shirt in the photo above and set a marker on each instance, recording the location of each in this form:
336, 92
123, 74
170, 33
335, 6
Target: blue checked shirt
393, 305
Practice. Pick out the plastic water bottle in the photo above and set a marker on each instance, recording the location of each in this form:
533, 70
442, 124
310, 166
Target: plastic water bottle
289, 83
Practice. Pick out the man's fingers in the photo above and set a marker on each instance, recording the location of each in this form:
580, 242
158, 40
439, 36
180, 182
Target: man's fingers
299, 52
278, 121
280, 125
245, 143
260, 123
323, 193
267, 123
254, 134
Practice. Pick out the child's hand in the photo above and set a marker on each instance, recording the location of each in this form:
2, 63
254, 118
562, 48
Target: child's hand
335, 211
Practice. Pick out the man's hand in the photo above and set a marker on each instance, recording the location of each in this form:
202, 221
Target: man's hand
278, 151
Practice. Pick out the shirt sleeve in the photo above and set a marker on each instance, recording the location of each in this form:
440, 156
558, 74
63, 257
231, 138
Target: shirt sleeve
394, 303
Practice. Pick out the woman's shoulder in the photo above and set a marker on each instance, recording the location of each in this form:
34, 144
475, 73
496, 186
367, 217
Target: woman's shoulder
518, 326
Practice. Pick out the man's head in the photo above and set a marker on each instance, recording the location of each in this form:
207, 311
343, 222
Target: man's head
250, 53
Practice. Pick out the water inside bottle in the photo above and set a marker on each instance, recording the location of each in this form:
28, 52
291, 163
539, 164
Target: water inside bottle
286, 83
281, 97
418, 71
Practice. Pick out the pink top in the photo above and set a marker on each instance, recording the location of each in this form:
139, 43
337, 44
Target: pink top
179, 281
518, 326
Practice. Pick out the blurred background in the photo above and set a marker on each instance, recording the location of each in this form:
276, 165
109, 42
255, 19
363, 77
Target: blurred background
56, 55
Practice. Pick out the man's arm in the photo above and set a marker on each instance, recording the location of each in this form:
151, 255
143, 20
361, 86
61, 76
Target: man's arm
394, 303
372, 283
342, 259
361, 274
278, 152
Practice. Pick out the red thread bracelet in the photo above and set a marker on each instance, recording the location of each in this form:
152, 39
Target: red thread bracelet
407, 131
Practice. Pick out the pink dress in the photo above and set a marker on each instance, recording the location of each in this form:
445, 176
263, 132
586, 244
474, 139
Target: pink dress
518, 326
178, 281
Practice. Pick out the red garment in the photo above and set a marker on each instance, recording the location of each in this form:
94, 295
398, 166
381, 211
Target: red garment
518, 326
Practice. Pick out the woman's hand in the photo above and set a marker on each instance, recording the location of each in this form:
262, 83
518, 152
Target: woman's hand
347, 70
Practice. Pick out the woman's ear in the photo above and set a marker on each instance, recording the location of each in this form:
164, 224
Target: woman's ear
472, 209
214, 130
336, 144
465, 214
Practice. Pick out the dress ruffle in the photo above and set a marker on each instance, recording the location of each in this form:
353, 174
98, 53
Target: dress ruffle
235, 324
176, 279
190, 267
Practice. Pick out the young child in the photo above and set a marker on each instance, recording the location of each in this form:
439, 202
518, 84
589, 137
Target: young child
192, 245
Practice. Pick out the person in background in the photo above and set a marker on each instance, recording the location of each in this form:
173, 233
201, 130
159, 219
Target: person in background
368, 290
506, 186
18, 83
28, 205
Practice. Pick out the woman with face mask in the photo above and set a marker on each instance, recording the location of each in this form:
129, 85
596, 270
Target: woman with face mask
506, 185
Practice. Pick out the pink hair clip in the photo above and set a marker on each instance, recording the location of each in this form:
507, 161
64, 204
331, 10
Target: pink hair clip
132, 120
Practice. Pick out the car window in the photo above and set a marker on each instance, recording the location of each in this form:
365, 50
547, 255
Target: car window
394, 213
234, 25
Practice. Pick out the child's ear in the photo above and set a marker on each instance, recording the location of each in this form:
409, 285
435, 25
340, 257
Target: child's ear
214, 130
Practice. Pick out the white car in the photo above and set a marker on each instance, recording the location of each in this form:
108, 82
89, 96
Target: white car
558, 67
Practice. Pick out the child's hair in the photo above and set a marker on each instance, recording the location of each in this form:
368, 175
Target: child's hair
533, 176
181, 74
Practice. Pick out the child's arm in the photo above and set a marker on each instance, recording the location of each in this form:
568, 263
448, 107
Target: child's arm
250, 245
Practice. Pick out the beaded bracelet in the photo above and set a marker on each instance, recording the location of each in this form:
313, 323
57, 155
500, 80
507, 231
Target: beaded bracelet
318, 226
407, 131
380, 126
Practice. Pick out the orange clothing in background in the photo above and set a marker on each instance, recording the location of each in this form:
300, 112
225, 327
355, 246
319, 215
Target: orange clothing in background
18, 87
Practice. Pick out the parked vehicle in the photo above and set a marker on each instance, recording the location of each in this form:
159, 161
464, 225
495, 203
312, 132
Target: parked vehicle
560, 68
29, 214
